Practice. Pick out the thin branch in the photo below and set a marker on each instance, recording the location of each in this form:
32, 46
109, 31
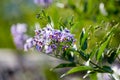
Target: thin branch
95, 64
118, 58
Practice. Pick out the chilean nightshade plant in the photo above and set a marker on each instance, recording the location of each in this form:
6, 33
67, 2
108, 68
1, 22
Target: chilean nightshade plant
61, 44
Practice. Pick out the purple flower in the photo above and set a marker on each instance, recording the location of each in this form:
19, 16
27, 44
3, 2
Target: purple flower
67, 36
44, 3
48, 49
53, 46
18, 29
66, 30
18, 32
39, 48
49, 40
29, 44
65, 47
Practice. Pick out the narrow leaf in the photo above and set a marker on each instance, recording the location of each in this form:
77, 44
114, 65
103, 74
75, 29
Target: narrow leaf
118, 51
112, 56
83, 55
44, 14
107, 69
93, 52
49, 20
63, 65
70, 21
77, 69
110, 32
93, 76
72, 29
83, 38
102, 47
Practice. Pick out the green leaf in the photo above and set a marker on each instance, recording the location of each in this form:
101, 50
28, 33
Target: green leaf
111, 56
103, 69
73, 28
61, 28
106, 41
118, 51
93, 52
85, 6
111, 32
43, 12
83, 55
67, 55
61, 24
70, 57
63, 65
71, 4
90, 6
70, 21
83, 39
49, 20
93, 76
102, 47
107, 69
77, 69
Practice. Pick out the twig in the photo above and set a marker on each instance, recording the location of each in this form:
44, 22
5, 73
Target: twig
95, 64
118, 58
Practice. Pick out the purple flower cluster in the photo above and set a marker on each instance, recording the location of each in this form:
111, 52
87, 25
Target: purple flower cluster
48, 40
18, 32
43, 2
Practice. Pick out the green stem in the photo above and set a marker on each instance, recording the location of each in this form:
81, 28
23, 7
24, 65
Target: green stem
95, 64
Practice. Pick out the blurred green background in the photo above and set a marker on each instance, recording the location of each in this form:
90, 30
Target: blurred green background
101, 14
